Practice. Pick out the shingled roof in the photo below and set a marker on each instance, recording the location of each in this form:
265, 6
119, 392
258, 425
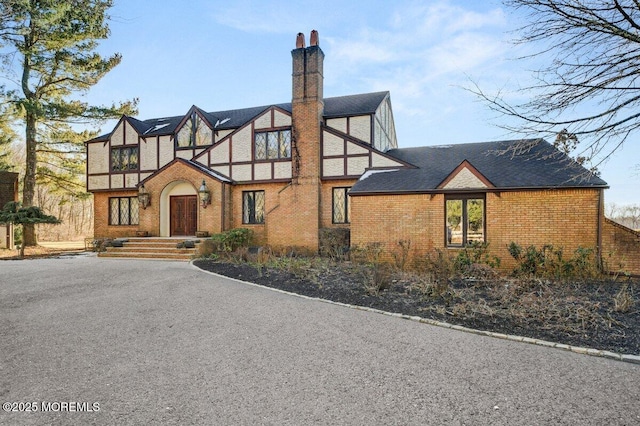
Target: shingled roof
517, 164
341, 106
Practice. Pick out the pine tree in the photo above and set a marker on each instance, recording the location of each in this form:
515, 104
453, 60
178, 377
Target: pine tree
49, 49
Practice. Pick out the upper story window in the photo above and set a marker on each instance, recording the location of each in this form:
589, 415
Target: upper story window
124, 158
465, 219
272, 145
194, 132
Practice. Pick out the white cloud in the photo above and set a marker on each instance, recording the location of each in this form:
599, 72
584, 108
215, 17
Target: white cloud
421, 53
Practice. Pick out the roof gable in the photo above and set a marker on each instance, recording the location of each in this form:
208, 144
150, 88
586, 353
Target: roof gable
465, 176
199, 167
274, 112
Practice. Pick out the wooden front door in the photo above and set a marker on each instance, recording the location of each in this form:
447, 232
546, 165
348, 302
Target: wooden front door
184, 215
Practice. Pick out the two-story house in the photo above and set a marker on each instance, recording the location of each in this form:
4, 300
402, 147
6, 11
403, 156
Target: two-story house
289, 170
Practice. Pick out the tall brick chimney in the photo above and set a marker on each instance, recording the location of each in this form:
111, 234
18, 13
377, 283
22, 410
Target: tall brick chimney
308, 98
307, 111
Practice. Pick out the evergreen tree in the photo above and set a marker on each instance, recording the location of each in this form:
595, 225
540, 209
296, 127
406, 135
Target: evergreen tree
49, 51
14, 213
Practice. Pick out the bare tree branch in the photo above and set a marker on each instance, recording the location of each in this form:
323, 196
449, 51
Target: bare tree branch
590, 86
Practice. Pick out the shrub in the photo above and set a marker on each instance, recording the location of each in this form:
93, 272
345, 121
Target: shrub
231, 240
549, 262
335, 242
376, 274
623, 301
476, 253
436, 270
100, 244
401, 254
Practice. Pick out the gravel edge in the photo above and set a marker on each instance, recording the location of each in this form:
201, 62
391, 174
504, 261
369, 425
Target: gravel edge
576, 349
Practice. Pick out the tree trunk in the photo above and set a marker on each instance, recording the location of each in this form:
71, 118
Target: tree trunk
29, 237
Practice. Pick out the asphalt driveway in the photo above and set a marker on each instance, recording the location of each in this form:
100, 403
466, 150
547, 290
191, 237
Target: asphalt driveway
103, 341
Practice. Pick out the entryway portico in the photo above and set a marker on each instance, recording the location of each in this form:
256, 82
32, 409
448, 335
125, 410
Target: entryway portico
176, 208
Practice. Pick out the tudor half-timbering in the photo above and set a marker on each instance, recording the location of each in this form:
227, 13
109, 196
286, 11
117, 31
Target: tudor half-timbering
283, 170
289, 170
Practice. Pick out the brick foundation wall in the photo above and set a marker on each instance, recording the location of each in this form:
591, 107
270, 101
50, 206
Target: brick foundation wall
620, 248
565, 218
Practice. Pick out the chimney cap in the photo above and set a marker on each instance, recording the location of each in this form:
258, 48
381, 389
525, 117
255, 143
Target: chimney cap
314, 39
300, 41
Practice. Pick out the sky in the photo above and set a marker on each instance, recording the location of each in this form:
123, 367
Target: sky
222, 55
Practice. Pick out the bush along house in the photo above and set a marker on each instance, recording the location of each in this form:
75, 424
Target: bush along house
296, 172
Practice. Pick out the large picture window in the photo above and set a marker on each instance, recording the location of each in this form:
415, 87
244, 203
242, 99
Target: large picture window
123, 211
341, 205
124, 158
253, 207
465, 220
272, 145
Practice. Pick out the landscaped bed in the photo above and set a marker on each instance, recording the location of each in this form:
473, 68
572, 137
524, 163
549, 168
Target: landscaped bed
595, 313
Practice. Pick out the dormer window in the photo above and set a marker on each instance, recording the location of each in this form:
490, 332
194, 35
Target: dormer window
194, 132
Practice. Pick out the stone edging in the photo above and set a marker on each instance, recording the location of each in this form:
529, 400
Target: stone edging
577, 349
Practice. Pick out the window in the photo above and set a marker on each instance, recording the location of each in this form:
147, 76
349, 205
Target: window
341, 205
272, 145
124, 158
123, 211
194, 132
253, 207
465, 218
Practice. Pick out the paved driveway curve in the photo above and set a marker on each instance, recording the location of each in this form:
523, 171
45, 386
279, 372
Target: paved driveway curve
163, 343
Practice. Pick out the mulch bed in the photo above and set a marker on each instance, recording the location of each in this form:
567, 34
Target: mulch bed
577, 314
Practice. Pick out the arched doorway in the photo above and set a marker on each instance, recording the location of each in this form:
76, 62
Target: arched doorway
178, 209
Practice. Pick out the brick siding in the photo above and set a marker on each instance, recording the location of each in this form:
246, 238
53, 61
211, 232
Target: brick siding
8, 188
101, 227
209, 218
620, 248
566, 218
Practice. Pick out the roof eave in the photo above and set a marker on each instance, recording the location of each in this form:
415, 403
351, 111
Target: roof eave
471, 190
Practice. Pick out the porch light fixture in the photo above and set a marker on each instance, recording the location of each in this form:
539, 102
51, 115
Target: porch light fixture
204, 194
144, 198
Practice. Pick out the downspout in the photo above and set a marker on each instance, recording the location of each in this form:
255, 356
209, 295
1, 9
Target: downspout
599, 236
223, 226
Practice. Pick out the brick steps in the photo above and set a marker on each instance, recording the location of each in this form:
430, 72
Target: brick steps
152, 248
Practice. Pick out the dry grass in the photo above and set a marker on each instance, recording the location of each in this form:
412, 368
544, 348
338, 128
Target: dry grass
45, 250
